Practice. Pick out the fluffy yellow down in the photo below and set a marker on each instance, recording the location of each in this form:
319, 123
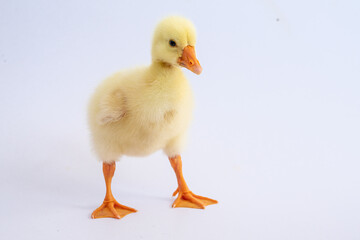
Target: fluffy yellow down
137, 112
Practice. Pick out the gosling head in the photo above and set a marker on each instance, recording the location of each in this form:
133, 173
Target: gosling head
174, 43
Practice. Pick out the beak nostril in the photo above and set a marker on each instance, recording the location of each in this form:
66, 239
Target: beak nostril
189, 61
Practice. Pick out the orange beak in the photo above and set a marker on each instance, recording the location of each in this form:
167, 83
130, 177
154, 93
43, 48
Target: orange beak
189, 60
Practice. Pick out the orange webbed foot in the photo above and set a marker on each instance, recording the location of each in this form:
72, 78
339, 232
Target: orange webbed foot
112, 209
190, 200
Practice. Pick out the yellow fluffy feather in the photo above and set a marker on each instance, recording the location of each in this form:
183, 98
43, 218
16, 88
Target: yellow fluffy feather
137, 112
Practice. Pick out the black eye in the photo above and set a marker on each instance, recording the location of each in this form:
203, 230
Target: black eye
172, 43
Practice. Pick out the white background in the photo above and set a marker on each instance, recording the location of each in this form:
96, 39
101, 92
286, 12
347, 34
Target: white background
275, 138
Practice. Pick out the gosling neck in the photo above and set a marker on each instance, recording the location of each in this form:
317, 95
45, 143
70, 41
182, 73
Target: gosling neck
160, 67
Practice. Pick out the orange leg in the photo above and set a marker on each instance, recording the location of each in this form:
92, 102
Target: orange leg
110, 207
186, 198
